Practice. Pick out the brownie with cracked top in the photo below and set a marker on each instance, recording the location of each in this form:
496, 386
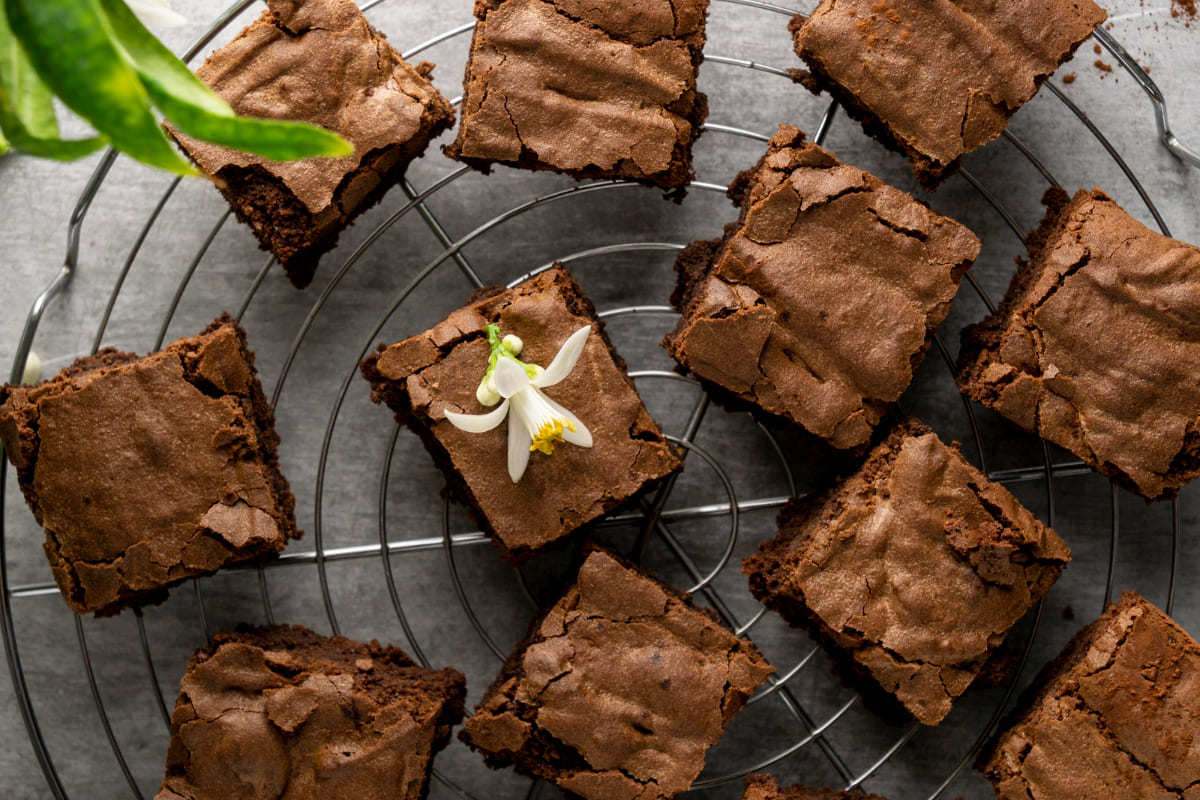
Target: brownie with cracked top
1117, 714
281, 712
1095, 346
425, 375
593, 90
766, 787
913, 569
619, 689
317, 61
147, 471
817, 304
935, 79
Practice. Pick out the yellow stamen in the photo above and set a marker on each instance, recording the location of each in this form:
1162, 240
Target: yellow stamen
550, 434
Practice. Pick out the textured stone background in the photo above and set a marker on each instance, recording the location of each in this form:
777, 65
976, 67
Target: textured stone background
36, 199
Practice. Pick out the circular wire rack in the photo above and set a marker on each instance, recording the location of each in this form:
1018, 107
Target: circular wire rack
651, 517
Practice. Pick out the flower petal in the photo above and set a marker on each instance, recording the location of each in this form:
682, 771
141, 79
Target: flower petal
156, 13
509, 377
581, 436
478, 423
564, 360
518, 450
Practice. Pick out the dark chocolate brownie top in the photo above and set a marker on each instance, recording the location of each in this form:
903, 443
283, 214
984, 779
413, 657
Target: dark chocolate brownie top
620, 689
146, 471
766, 787
284, 713
943, 76
1095, 347
424, 375
319, 61
1117, 715
916, 565
817, 304
585, 88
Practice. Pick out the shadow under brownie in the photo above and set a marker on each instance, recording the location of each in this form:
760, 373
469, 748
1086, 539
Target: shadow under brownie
935, 79
1115, 715
1095, 348
281, 712
818, 303
913, 569
147, 471
439, 370
317, 61
593, 90
618, 691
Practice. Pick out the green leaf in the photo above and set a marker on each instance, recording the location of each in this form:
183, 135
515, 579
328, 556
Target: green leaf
3, 144
70, 44
27, 107
192, 106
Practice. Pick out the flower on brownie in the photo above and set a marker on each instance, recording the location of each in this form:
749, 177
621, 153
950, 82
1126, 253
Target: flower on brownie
535, 422
156, 13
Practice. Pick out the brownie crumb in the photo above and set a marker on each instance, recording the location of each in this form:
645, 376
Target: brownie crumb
1069, 78
1102, 66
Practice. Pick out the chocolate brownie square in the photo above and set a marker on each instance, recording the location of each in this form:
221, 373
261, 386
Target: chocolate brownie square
618, 691
146, 471
593, 90
765, 787
1094, 346
817, 304
1117, 714
424, 376
935, 79
913, 569
317, 61
281, 712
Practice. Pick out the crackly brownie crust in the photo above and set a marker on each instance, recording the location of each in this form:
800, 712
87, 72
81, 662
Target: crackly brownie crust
1095, 347
936, 79
422, 376
318, 61
817, 305
147, 471
913, 569
766, 787
619, 689
599, 90
1115, 715
281, 711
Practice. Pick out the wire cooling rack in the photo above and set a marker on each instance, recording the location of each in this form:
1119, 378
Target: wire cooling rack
653, 519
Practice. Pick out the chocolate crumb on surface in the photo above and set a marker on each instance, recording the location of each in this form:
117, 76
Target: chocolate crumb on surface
766, 787
147, 471
618, 691
317, 61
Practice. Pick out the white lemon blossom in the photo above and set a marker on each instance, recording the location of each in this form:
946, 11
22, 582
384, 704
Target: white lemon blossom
535, 422
156, 13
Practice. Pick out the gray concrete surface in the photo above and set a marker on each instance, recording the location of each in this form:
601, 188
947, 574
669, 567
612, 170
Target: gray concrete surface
36, 199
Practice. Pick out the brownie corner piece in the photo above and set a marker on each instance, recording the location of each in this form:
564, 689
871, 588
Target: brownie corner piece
912, 569
817, 304
320, 62
619, 667
1113, 716
935, 80
424, 376
592, 90
275, 711
1093, 347
146, 471
760, 786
